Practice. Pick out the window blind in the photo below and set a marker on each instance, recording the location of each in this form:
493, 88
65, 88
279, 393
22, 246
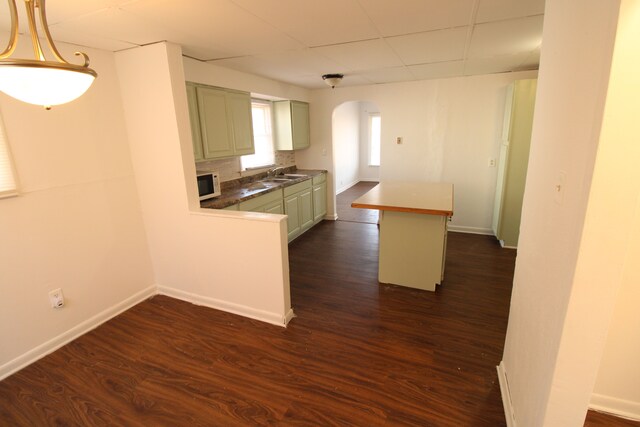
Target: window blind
7, 177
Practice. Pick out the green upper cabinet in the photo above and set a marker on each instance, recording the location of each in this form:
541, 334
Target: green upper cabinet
195, 123
220, 122
291, 125
239, 107
214, 123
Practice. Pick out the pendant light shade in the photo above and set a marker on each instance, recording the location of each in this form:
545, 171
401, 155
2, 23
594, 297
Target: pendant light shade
38, 81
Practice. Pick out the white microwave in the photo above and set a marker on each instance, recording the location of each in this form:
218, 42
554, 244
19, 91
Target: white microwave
208, 185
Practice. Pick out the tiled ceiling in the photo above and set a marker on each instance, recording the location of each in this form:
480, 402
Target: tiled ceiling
297, 41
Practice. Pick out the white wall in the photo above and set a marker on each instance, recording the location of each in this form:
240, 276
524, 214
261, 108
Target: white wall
367, 172
617, 387
346, 145
451, 127
200, 255
565, 278
205, 73
77, 224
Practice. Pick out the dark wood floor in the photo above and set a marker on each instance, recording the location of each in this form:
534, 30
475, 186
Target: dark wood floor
597, 419
347, 213
357, 354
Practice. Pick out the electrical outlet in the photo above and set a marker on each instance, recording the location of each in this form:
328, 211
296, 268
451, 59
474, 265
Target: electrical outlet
492, 163
399, 140
56, 298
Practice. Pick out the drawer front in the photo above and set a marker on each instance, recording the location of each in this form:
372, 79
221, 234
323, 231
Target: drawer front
256, 202
319, 179
292, 189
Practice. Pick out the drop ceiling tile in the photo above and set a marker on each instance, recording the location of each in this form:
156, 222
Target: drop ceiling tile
363, 55
114, 24
432, 46
282, 66
5, 21
314, 23
437, 70
351, 79
201, 51
532, 61
83, 39
249, 64
217, 23
58, 11
506, 37
497, 10
303, 62
387, 75
399, 17
498, 64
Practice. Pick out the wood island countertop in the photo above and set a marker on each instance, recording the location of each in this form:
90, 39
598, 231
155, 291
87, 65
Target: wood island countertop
415, 197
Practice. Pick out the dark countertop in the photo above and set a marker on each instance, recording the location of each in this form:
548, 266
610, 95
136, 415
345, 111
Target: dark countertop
239, 190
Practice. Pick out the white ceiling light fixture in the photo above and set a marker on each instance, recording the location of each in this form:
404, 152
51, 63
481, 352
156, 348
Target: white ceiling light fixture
332, 80
38, 81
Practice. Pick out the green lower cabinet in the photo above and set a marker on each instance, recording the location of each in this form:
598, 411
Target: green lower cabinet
304, 203
231, 208
305, 200
319, 197
298, 205
269, 203
275, 208
293, 220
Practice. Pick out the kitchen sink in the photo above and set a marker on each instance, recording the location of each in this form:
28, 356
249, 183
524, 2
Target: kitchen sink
257, 186
279, 178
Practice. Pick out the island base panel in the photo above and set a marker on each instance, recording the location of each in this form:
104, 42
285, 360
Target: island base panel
412, 249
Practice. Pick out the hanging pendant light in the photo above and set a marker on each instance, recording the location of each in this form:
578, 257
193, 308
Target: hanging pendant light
38, 81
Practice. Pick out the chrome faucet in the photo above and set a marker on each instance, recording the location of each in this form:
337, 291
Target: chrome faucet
273, 172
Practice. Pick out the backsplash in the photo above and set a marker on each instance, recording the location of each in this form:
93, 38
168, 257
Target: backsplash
230, 168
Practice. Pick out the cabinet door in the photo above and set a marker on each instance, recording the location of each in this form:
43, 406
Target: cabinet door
195, 123
214, 123
293, 220
305, 206
239, 105
319, 202
300, 124
274, 208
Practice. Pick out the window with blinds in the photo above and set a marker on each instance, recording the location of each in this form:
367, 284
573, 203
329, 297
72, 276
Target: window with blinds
7, 177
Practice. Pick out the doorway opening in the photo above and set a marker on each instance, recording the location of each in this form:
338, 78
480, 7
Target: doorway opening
357, 157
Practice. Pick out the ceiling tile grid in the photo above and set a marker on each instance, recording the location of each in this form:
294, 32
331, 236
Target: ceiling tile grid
296, 41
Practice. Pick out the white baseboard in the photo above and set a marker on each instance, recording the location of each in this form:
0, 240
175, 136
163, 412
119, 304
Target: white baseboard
506, 395
346, 187
470, 230
618, 407
287, 317
241, 310
66, 337
333, 217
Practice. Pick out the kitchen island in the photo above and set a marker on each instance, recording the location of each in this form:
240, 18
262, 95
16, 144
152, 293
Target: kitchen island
413, 231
